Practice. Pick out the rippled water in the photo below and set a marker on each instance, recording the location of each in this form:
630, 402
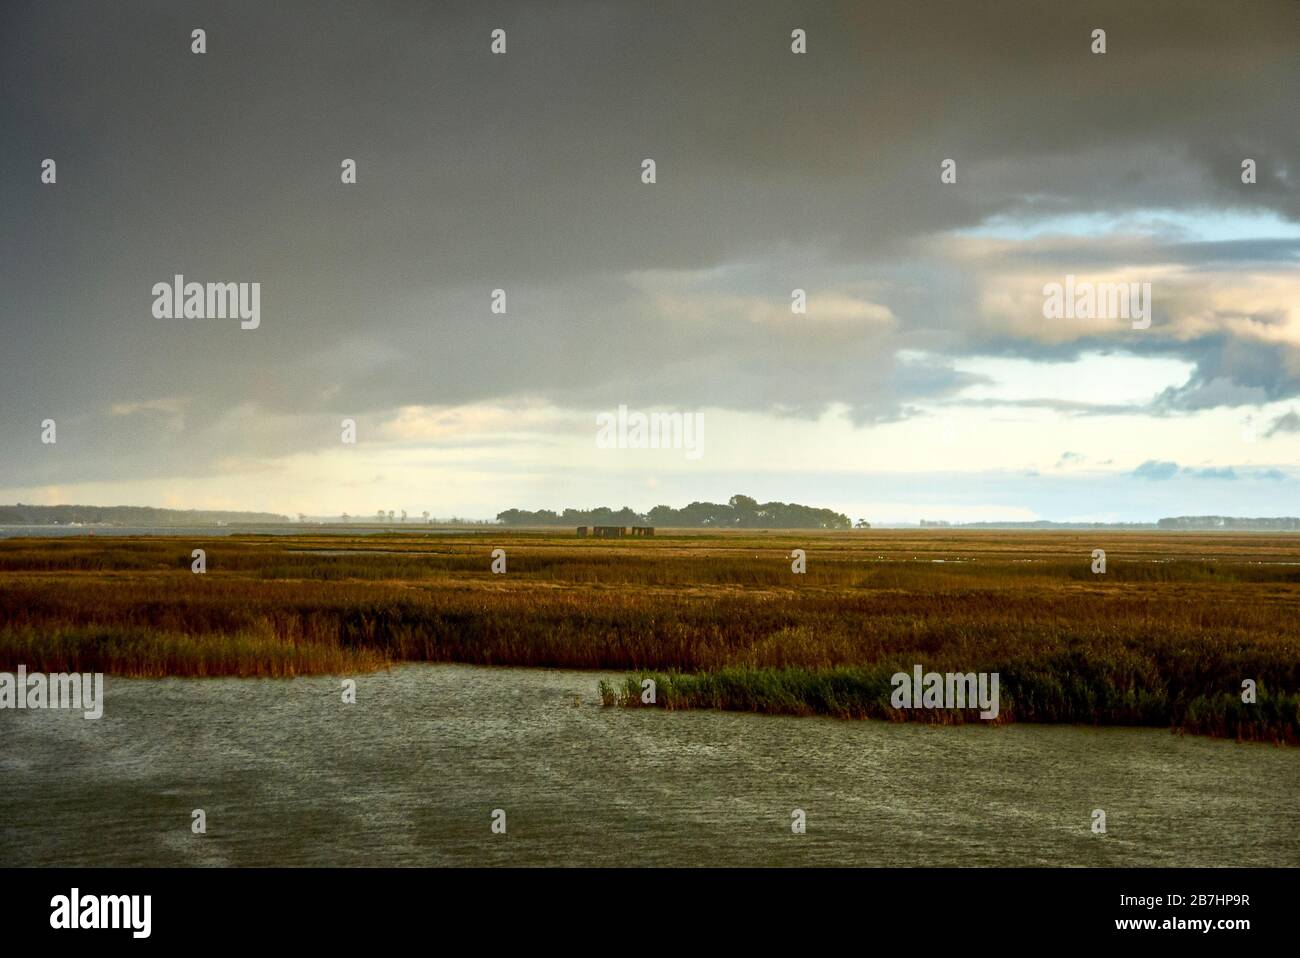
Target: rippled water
289, 775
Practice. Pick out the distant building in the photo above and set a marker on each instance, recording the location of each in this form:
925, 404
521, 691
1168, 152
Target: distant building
614, 532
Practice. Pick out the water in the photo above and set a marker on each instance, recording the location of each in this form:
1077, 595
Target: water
290, 775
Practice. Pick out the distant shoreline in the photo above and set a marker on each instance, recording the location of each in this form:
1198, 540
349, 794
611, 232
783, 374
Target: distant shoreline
11, 530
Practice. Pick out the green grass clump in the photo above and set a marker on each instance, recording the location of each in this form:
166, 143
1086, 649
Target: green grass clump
865, 693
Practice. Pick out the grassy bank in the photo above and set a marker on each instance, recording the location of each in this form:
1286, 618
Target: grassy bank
1164, 638
1045, 691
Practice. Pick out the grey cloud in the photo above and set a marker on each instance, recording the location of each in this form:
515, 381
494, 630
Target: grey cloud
1288, 422
1226, 472
1066, 406
1232, 372
522, 172
1162, 469
1244, 254
1154, 469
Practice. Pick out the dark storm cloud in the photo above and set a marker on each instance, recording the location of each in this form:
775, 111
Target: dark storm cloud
521, 172
1232, 372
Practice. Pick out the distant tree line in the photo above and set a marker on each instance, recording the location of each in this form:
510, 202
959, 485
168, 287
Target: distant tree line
1268, 524
27, 515
1042, 524
739, 512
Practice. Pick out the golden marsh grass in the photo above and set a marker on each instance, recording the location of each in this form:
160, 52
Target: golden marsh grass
1164, 637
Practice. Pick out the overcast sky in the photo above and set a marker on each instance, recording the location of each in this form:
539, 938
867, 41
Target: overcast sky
923, 380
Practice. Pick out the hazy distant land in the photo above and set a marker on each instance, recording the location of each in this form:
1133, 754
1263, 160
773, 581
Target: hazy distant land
21, 514
740, 512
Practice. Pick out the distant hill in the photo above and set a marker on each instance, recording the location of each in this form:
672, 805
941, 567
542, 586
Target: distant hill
24, 515
739, 512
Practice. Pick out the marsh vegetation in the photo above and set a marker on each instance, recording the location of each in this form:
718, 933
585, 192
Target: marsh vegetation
1164, 638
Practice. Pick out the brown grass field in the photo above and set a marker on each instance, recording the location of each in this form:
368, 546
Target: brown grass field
1164, 638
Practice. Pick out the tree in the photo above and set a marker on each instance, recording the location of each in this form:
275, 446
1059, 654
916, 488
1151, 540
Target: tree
742, 502
403, 515
426, 516
662, 515
741, 512
626, 517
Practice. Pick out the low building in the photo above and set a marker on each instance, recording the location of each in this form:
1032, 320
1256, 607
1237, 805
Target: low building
614, 532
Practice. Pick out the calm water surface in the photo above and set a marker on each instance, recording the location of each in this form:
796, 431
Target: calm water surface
289, 775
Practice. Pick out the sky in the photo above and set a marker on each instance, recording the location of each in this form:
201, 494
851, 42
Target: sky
924, 379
